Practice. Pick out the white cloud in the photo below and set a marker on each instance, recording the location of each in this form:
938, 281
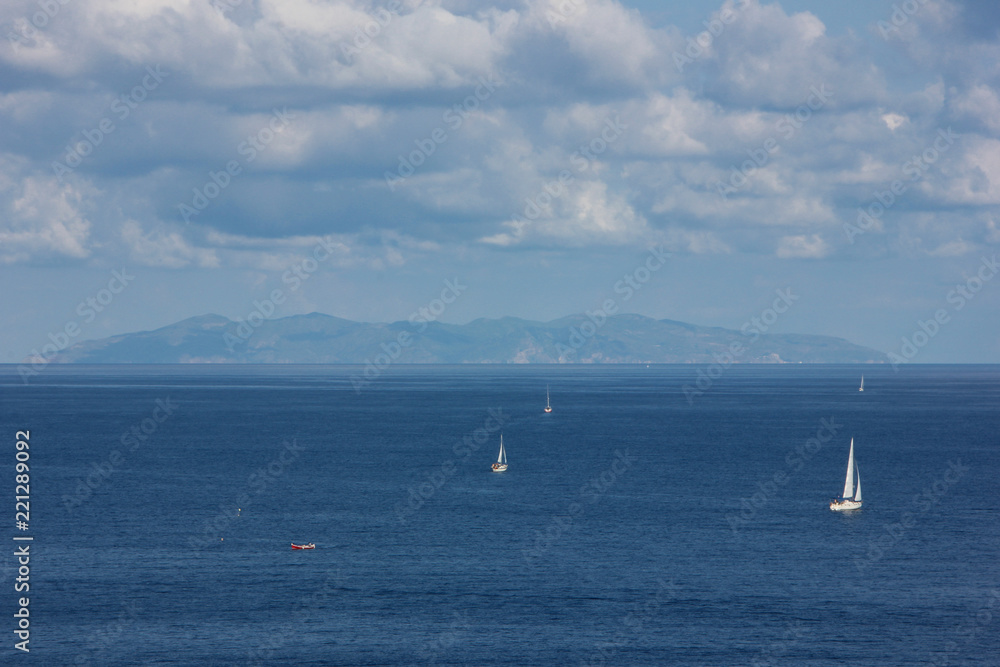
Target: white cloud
585, 215
569, 67
696, 242
972, 178
272, 42
801, 246
42, 217
615, 43
670, 123
167, 249
981, 104
992, 231
458, 191
893, 120
769, 57
955, 248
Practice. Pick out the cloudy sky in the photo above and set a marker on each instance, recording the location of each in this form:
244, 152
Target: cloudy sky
355, 155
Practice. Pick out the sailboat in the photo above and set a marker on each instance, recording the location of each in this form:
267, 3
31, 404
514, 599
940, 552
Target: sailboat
548, 406
851, 499
862, 387
501, 463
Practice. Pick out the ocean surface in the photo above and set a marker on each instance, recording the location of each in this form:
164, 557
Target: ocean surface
633, 527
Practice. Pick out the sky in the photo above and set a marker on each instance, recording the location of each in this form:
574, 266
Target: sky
163, 159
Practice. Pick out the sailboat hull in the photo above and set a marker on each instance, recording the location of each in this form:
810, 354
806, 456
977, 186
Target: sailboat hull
840, 505
499, 467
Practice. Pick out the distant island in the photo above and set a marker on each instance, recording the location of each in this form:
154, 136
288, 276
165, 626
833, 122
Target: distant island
322, 339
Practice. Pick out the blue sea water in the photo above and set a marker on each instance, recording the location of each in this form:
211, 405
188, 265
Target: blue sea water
633, 527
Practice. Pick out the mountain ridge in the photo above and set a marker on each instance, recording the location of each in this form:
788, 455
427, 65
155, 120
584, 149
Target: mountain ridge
326, 339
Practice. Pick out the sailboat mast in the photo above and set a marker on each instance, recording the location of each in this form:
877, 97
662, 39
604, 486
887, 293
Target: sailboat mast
849, 482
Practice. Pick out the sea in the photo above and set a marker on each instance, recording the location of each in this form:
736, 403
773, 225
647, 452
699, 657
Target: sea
659, 515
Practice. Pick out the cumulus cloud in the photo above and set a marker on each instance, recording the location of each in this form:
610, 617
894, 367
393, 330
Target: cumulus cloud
766, 142
233, 45
893, 120
161, 248
811, 246
43, 219
615, 45
981, 104
767, 56
581, 214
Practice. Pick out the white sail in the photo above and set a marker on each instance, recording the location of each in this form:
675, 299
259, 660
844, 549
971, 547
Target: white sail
862, 387
851, 499
501, 457
849, 482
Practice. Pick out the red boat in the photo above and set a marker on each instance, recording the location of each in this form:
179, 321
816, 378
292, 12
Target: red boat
303, 546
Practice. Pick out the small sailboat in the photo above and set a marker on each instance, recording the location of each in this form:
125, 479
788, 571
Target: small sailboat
862, 387
548, 405
501, 463
851, 499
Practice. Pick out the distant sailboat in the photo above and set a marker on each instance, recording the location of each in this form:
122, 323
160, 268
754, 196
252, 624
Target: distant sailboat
851, 499
501, 463
548, 406
862, 387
